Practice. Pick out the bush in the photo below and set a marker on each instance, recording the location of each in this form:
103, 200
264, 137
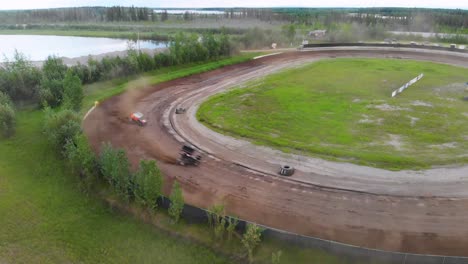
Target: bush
73, 92
82, 160
61, 127
52, 86
20, 79
177, 202
148, 183
251, 239
115, 168
7, 120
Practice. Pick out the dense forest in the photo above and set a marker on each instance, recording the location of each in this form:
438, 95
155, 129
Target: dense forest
411, 19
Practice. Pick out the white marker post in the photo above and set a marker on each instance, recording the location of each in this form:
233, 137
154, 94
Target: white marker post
401, 89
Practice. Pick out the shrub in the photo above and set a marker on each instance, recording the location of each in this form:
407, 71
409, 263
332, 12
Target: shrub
82, 160
177, 202
251, 239
148, 183
52, 86
61, 127
7, 120
115, 168
73, 91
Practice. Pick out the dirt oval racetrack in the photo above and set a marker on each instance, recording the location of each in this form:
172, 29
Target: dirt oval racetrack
425, 224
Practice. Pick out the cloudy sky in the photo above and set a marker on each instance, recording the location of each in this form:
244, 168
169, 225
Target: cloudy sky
30, 4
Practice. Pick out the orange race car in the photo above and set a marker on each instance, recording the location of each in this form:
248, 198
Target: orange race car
138, 118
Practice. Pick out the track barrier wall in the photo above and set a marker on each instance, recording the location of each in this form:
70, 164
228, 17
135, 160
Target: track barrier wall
383, 45
349, 253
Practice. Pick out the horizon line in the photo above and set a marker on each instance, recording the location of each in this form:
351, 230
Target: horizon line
259, 7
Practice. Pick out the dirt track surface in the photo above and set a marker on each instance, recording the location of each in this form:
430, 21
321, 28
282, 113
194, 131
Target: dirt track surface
409, 218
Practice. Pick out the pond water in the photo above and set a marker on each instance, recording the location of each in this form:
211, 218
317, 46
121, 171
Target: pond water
37, 48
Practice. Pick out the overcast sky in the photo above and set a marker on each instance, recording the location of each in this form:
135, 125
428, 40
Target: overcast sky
31, 4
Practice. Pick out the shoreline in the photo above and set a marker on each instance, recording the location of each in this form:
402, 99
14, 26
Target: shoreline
84, 59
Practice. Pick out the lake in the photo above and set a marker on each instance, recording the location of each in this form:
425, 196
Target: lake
37, 48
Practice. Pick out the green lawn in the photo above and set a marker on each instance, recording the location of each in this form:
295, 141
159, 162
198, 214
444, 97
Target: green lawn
342, 110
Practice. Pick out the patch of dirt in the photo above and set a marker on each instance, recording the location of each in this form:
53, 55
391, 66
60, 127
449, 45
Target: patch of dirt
447, 145
451, 88
413, 120
395, 141
420, 103
367, 120
387, 107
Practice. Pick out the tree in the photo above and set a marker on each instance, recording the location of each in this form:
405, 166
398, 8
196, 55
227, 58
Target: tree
148, 183
52, 82
73, 91
217, 220
177, 202
61, 127
290, 32
251, 239
164, 16
20, 79
82, 160
115, 168
232, 224
7, 116
276, 257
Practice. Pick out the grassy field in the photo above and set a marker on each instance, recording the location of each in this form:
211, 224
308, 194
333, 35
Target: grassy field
342, 110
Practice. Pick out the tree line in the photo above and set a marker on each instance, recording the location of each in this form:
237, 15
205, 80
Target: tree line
55, 83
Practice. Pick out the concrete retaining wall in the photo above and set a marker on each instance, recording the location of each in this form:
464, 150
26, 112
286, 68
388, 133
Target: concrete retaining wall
331, 45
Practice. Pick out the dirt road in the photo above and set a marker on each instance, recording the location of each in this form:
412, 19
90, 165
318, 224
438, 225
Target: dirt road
391, 221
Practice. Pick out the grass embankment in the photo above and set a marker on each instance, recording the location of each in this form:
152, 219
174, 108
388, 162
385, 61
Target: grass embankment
103, 90
342, 110
45, 219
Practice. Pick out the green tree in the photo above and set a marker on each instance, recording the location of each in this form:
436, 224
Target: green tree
177, 202
276, 257
7, 119
148, 183
232, 224
52, 85
217, 220
73, 91
115, 168
20, 79
164, 16
82, 160
251, 239
61, 127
